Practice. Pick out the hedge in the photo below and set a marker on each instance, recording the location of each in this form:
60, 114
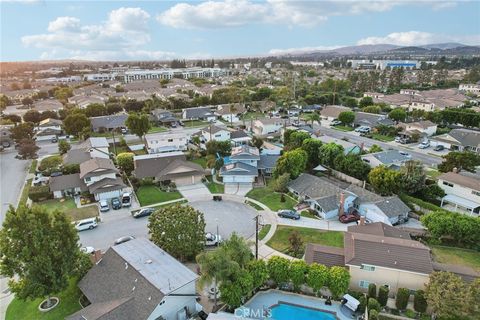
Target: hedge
423, 204
39, 193
401, 301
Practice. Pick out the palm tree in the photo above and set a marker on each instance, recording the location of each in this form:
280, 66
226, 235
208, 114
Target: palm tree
313, 117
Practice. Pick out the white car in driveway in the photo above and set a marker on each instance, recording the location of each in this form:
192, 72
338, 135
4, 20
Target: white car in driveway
88, 250
212, 239
424, 145
86, 224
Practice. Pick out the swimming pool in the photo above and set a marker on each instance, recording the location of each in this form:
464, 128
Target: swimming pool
284, 311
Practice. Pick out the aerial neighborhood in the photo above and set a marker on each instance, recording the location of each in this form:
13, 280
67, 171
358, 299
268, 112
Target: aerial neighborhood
338, 184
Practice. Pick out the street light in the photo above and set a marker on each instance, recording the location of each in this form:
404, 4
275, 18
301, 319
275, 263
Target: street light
257, 223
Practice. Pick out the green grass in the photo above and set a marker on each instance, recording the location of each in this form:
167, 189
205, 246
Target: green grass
200, 161
28, 310
381, 137
253, 115
263, 232
271, 199
70, 208
343, 128
119, 149
157, 129
24, 195
33, 166
308, 214
148, 195
253, 205
165, 205
194, 123
279, 241
434, 174
215, 187
458, 256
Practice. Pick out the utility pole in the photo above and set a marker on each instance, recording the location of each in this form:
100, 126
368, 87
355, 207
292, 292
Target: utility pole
114, 144
256, 237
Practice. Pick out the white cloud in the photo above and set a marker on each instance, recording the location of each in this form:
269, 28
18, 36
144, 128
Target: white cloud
120, 36
234, 13
412, 38
301, 50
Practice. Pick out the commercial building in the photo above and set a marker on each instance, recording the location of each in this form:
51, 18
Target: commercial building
384, 64
187, 73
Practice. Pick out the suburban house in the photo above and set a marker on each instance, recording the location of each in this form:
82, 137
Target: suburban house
459, 140
67, 185
371, 120
263, 127
239, 137
84, 101
380, 254
326, 199
421, 128
331, 113
166, 142
48, 104
48, 129
311, 108
230, 112
243, 167
348, 147
470, 87
100, 177
214, 133
390, 158
164, 117
200, 113
5, 133
462, 190
91, 148
108, 123
169, 166
138, 280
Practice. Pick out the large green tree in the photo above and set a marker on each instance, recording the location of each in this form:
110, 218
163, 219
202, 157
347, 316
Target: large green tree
318, 276
385, 181
39, 251
125, 162
76, 123
179, 230
278, 268
138, 124
347, 117
465, 160
338, 281
298, 272
329, 152
293, 162
22, 131
312, 148
296, 139
413, 176
397, 114
32, 116
95, 110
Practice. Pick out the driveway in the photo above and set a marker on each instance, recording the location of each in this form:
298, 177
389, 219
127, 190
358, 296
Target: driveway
229, 216
333, 225
194, 191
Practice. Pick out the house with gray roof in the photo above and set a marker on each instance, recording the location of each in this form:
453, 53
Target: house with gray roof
199, 113
67, 185
108, 123
380, 254
93, 147
164, 117
459, 140
393, 159
371, 120
138, 280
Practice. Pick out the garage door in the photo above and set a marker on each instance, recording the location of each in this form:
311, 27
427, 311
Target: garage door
185, 181
108, 195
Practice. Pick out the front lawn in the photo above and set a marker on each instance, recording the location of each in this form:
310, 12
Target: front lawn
308, 214
215, 187
271, 199
253, 115
200, 161
343, 128
69, 207
28, 310
194, 123
157, 129
280, 242
253, 205
165, 205
381, 137
434, 174
148, 195
33, 166
25, 191
458, 256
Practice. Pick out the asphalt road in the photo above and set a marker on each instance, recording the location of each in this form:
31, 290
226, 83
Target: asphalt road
416, 153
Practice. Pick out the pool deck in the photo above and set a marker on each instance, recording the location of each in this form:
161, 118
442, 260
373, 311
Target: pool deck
266, 299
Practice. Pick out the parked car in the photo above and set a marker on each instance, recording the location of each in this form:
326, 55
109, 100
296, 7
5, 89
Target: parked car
86, 224
439, 148
335, 122
5, 144
104, 207
89, 250
402, 140
212, 239
116, 204
363, 129
424, 145
290, 214
404, 153
54, 140
123, 240
56, 174
124, 130
351, 217
126, 200
143, 212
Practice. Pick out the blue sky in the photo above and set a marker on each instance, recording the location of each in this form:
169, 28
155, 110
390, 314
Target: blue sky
145, 30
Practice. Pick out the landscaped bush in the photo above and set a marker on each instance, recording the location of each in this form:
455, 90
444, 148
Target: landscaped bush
71, 168
373, 304
50, 164
409, 200
402, 298
39, 193
373, 315
372, 290
383, 295
146, 182
419, 301
363, 303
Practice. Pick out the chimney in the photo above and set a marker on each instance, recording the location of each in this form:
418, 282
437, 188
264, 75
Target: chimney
362, 221
341, 205
455, 170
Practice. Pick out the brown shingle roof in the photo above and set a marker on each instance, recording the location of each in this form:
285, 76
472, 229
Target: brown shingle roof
90, 167
462, 180
380, 229
106, 185
68, 181
329, 256
333, 111
150, 167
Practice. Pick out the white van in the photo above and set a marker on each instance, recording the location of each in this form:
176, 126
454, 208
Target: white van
126, 200
86, 224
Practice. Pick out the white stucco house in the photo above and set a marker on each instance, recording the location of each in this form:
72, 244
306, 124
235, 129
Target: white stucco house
48, 129
267, 126
166, 142
462, 191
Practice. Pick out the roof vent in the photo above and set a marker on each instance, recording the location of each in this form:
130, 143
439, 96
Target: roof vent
150, 298
133, 289
149, 261
395, 262
126, 266
136, 280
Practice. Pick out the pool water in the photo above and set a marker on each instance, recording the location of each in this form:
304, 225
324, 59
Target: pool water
288, 312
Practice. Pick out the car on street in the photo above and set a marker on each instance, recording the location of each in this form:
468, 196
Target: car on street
123, 240
335, 123
126, 200
124, 130
54, 140
86, 224
405, 153
212, 239
104, 207
402, 140
439, 148
424, 145
116, 204
89, 250
145, 212
363, 129
290, 214
350, 217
